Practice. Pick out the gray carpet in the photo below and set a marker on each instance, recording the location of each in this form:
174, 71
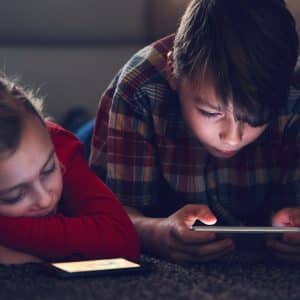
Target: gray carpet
241, 276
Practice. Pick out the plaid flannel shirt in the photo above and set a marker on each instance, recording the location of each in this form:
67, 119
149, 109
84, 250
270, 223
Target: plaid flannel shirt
144, 151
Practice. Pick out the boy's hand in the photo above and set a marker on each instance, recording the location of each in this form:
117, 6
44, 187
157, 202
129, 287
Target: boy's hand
177, 242
10, 256
288, 247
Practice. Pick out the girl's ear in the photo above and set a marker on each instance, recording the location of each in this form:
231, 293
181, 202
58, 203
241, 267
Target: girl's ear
170, 71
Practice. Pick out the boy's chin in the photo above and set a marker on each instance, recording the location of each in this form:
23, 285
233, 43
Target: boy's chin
222, 154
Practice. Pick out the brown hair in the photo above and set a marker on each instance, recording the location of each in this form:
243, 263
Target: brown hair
16, 104
248, 48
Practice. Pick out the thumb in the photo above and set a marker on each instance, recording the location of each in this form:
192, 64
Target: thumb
206, 216
287, 217
191, 213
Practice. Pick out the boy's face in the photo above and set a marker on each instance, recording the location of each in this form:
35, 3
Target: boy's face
215, 127
31, 180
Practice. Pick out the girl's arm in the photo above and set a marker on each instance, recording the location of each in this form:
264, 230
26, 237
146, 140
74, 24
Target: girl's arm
93, 224
10, 256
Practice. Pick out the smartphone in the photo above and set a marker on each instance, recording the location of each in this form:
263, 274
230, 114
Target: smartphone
93, 267
245, 229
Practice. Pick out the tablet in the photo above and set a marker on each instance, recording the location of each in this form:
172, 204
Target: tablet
246, 229
93, 267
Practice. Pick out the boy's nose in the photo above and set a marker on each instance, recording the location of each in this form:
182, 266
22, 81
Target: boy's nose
231, 133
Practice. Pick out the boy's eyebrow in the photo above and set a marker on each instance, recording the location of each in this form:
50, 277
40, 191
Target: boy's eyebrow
200, 100
21, 184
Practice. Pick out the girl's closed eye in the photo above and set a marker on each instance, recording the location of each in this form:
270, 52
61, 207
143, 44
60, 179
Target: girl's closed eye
49, 169
13, 199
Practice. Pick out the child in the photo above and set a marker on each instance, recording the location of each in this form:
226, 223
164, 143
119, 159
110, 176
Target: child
52, 207
199, 126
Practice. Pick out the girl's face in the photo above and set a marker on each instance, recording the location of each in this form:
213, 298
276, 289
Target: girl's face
30, 178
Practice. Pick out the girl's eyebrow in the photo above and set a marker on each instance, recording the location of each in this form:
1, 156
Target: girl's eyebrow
201, 101
7, 190
50, 156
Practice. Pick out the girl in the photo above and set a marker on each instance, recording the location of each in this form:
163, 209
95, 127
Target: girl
52, 207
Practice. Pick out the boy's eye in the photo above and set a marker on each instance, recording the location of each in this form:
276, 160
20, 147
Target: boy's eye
208, 114
14, 199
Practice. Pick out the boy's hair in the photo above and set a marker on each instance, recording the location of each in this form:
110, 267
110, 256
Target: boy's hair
247, 48
16, 104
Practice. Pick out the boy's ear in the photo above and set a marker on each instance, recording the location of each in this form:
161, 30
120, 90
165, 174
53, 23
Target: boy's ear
170, 71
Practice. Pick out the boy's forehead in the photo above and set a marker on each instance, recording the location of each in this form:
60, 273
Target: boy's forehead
209, 102
201, 86
204, 93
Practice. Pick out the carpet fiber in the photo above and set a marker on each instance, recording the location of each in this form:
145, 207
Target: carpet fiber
241, 276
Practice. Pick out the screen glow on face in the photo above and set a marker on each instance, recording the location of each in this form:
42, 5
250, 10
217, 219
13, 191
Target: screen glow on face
214, 126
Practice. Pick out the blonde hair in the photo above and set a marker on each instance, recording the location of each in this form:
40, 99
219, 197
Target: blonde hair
16, 105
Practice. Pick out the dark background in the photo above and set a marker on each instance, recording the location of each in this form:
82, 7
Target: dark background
69, 50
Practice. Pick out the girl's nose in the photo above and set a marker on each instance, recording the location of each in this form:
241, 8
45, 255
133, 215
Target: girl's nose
43, 196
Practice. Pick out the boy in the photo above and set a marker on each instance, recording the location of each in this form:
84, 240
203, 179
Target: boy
200, 127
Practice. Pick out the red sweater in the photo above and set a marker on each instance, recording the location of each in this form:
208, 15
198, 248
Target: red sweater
90, 222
